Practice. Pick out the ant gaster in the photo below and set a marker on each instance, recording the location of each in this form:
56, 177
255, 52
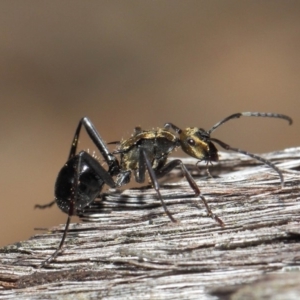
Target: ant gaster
81, 179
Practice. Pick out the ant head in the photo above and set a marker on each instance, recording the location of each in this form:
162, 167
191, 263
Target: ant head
196, 143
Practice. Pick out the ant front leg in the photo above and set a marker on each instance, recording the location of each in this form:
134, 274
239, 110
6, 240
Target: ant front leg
177, 162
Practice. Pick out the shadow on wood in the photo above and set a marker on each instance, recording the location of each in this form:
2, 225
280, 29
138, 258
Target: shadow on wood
127, 248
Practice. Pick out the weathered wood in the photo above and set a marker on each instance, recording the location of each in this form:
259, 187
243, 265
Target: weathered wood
128, 249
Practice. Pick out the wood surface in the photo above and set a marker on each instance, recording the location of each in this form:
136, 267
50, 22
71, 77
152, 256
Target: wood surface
127, 248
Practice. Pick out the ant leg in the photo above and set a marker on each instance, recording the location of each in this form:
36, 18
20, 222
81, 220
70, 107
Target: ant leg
174, 127
97, 168
70, 213
100, 175
177, 162
54, 255
140, 175
207, 168
112, 162
39, 206
144, 161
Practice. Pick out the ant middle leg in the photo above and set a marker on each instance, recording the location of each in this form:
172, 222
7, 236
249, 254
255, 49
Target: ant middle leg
177, 162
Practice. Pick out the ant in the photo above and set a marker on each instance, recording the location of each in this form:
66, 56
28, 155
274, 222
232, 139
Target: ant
81, 179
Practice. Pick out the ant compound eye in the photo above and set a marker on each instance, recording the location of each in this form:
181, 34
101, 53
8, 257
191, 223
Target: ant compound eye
191, 142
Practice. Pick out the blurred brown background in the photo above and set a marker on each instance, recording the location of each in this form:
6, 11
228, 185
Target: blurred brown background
128, 63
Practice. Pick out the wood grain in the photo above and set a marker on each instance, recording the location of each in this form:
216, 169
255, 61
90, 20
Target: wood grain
127, 248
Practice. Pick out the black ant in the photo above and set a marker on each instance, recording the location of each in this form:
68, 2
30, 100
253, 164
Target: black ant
81, 179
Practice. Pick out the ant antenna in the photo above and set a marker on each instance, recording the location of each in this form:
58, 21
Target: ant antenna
250, 114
